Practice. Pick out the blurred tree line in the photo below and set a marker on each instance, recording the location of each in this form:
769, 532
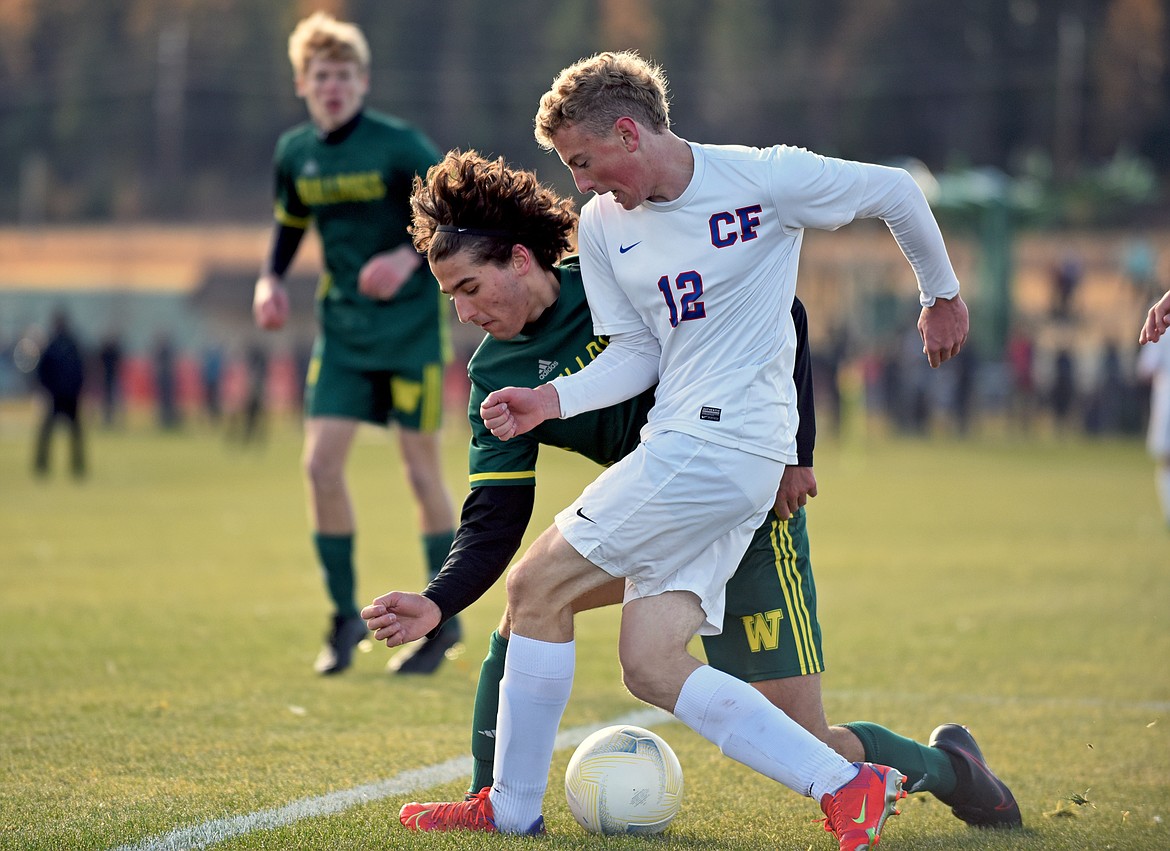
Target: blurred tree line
169, 109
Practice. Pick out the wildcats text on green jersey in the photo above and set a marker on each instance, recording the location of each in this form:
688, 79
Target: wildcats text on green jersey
341, 188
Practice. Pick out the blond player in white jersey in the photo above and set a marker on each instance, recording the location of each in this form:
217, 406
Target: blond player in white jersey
689, 257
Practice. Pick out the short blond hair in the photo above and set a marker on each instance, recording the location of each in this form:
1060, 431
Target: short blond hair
597, 91
322, 35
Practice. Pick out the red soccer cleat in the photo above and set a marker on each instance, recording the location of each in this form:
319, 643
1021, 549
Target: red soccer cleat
856, 812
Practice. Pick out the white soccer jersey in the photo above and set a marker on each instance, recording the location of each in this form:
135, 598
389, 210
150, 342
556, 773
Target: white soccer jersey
1154, 363
712, 275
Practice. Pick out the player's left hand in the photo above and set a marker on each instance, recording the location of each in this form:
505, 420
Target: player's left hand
944, 327
399, 617
384, 274
797, 486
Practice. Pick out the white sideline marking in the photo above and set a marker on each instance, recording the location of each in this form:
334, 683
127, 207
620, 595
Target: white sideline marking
219, 830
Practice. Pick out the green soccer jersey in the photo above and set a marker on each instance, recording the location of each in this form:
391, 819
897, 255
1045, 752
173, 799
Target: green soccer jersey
355, 184
561, 341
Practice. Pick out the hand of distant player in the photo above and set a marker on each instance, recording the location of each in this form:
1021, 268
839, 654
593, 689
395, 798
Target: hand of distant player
270, 303
944, 328
399, 617
515, 410
384, 274
797, 486
1157, 321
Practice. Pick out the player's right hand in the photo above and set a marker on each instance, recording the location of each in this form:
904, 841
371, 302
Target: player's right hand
399, 617
944, 327
797, 486
270, 306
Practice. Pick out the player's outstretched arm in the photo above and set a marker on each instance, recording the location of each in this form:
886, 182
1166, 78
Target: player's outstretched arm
516, 410
1157, 321
400, 616
944, 327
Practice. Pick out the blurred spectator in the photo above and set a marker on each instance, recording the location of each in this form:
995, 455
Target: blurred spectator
826, 368
965, 388
11, 381
165, 388
302, 355
1021, 360
1103, 413
110, 362
61, 372
251, 423
1139, 265
1066, 280
1063, 392
212, 376
909, 384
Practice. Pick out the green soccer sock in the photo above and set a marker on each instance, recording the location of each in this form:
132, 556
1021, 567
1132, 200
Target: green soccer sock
436, 546
335, 552
927, 769
483, 718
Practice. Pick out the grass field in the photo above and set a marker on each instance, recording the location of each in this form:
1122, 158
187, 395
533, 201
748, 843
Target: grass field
158, 622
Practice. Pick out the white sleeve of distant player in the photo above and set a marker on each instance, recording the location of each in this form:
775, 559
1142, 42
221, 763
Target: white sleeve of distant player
623, 369
891, 195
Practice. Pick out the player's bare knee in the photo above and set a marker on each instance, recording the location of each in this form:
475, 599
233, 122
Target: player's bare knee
648, 681
321, 470
532, 589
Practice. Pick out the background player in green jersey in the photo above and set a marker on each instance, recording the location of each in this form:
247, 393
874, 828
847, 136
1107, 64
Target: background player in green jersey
495, 239
383, 341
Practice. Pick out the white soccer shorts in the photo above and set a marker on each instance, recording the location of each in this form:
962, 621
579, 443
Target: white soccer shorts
676, 514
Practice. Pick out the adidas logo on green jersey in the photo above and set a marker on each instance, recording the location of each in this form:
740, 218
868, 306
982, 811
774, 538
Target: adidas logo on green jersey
545, 368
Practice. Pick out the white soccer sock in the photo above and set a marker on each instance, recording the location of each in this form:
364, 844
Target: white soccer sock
1162, 481
538, 676
746, 727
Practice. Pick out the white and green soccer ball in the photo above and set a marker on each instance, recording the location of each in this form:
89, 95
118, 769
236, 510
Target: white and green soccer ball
624, 779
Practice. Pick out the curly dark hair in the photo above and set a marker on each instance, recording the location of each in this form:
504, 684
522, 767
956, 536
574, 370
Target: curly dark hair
499, 206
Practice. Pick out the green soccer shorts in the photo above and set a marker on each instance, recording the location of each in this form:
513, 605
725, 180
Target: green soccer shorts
410, 396
770, 629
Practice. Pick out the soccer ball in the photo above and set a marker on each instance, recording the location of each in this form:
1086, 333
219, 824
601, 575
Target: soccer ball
624, 779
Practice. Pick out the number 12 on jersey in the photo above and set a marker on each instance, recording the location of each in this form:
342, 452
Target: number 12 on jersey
690, 305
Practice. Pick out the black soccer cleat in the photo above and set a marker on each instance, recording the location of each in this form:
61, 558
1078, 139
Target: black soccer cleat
980, 798
344, 635
425, 655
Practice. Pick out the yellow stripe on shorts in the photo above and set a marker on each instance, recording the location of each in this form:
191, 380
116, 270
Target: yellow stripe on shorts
789, 576
432, 397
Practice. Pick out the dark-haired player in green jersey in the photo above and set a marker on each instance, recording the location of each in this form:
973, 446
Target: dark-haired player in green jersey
495, 239
383, 341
